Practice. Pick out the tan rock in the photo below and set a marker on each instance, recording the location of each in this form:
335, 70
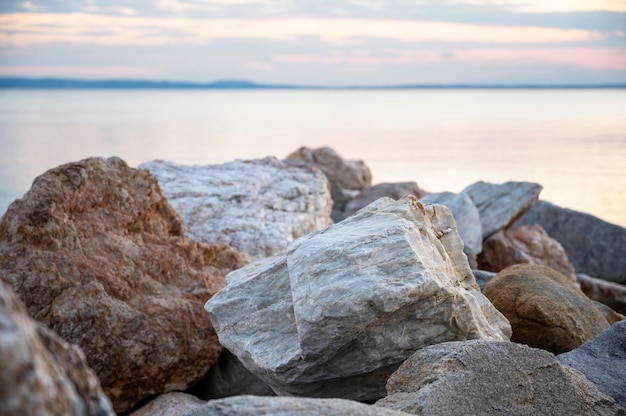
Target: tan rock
41, 374
348, 174
546, 309
526, 244
96, 252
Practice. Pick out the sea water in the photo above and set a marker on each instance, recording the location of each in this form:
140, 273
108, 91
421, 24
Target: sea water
571, 141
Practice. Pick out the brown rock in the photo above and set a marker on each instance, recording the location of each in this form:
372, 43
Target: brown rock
41, 374
546, 309
96, 252
526, 244
348, 174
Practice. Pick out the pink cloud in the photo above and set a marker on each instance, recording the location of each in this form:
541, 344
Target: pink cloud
78, 71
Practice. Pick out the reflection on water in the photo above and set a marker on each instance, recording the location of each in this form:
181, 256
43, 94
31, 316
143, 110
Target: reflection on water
573, 142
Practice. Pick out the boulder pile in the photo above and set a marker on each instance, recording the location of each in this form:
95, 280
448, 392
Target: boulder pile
297, 286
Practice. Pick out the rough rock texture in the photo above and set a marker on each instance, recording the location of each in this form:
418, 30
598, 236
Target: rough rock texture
394, 190
228, 377
467, 220
526, 244
611, 294
492, 378
610, 315
342, 308
482, 277
348, 174
179, 404
40, 374
257, 206
603, 361
499, 205
95, 251
546, 309
594, 247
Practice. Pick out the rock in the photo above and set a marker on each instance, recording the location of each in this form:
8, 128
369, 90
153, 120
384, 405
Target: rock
391, 190
228, 377
467, 220
500, 205
257, 206
526, 244
610, 315
611, 294
546, 309
179, 404
491, 378
603, 361
482, 277
595, 247
95, 251
172, 404
40, 373
348, 174
342, 308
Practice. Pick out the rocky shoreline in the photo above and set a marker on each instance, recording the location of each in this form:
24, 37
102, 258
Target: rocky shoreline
296, 286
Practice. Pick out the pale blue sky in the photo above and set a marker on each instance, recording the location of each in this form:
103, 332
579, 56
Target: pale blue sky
356, 42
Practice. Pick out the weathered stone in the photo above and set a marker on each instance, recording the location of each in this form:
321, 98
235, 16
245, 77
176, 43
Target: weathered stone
394, 190
500, 205
603, 361
492, 378
594, 247
546, 309
348, 174
257, 206
180, 404
482, 277
526, 244
172, 404
96, 252
40, 374
610, 315
467, 220
228, 377
342, 308
611, 294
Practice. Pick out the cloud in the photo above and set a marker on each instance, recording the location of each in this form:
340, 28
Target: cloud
79, 71
549, 6
23, 29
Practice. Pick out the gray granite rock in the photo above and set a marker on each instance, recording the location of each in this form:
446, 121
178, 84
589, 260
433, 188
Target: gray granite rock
603, 361
180, 404
492, 378
228, 377
40, 374
611, 294
499, 205
482, 277
594, 247
257, 206
395, 190
342, 308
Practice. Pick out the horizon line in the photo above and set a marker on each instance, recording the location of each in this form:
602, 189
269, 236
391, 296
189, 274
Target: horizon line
14, 82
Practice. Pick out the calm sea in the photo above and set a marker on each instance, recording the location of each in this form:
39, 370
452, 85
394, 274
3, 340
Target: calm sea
573, 142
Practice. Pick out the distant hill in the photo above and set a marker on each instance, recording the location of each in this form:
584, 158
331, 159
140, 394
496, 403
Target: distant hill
66, 83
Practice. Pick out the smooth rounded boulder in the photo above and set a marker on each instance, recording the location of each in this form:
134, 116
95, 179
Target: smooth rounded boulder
546, 309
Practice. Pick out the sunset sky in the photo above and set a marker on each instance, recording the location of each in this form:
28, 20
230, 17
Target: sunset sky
321, 42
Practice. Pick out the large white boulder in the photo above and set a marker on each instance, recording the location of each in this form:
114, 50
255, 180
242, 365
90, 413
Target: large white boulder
341, 309
257, 206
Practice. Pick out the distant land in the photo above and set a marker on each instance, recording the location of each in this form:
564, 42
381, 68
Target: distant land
66, 83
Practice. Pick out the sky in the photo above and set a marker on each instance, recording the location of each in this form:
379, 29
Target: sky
318, 42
